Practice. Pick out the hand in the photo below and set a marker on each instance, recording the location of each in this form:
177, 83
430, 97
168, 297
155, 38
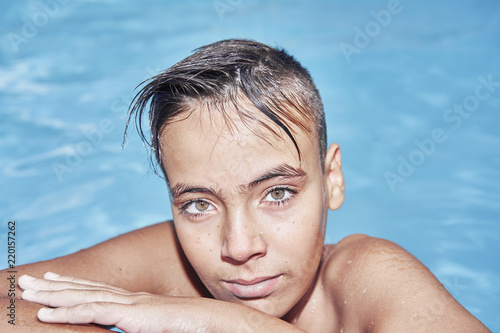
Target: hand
79, 301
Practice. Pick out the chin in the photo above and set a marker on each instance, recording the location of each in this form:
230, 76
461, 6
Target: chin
273, 307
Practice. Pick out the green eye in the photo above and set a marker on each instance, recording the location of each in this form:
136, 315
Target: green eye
197, 208
201, 206
278, 194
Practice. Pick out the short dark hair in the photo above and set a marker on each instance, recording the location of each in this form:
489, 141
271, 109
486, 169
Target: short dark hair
220, 74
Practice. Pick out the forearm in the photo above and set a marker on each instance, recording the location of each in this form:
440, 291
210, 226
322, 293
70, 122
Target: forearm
82, 301
21, 317
153, 249
172, 314
209, 315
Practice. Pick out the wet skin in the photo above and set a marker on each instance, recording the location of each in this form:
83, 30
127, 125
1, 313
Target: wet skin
249, 214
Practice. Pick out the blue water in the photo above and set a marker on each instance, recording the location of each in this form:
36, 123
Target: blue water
68, 69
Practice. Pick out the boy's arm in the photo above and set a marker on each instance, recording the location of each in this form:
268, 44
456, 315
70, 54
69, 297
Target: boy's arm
385, 289
148, 259
82, 301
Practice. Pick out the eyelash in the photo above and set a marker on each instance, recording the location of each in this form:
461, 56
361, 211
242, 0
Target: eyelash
185, 206
292, 194
289, 191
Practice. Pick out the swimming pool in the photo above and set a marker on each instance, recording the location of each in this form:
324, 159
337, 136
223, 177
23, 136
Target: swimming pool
419, 170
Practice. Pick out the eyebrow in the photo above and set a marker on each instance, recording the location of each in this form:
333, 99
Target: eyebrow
282, 171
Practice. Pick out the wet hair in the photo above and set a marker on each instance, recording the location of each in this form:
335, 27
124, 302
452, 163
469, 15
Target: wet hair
221, 75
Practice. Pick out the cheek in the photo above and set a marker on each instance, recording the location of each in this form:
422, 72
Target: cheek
302, 237
199, 247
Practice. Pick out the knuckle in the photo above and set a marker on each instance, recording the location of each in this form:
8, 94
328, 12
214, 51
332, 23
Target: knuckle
88, 310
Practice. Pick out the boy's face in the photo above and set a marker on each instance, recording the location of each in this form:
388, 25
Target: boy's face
250, 217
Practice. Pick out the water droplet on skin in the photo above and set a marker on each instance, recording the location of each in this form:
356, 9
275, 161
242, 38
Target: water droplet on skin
313, 307
349, 262
403, 302
364, 290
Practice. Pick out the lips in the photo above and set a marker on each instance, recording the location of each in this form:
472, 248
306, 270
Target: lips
255, 288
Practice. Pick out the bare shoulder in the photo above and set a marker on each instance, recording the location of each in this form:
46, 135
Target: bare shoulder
151, 259
147, 259
376, 285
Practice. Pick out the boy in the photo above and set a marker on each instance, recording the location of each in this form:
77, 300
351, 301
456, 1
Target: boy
238, 131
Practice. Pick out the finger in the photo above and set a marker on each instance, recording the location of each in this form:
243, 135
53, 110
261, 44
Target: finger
25, 281
56, 277
59, 283
71, 297
121, 316
28, 282
97, 313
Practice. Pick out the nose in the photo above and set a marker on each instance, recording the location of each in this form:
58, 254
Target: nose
243, 240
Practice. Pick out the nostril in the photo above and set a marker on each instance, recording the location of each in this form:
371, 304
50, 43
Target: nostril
241, 250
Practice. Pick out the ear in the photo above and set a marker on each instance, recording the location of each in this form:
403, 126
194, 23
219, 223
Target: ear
334, 178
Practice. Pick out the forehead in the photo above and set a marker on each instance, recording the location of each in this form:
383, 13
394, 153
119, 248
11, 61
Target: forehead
218, 148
